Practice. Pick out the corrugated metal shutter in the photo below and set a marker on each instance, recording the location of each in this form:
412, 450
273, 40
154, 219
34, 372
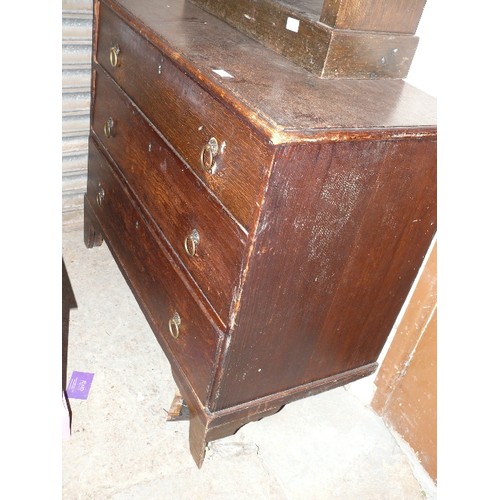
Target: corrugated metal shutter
76, 63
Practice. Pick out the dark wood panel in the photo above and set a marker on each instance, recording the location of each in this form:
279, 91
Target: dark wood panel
284, 101
342, 234
267, 22
315, 46
368, 55
207, 426
332, 181
395, 16
153, 279
177, 201
187, 116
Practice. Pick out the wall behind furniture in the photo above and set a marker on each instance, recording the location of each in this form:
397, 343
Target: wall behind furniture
76, 62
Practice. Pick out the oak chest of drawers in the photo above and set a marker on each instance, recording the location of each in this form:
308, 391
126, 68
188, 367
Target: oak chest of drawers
269, 223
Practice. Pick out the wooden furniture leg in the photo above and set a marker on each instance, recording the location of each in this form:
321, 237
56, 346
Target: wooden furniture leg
92, 236
178, 409
204, 427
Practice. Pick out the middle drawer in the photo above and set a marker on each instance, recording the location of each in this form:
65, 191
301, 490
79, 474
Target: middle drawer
206, 239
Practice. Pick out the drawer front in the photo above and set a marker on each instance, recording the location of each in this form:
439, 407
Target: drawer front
168, 304
207, 240
187, 116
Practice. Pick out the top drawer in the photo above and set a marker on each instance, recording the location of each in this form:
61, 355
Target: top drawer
187, 116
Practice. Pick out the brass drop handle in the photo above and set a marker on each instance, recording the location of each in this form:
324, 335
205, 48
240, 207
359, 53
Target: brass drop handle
114, 55
208, 154
191, 242
174, 325
109, 126
100, 196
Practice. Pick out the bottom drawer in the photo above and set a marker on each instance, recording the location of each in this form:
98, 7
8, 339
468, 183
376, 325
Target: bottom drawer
188, 336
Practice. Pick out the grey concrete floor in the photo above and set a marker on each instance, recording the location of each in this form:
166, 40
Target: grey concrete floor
329, 446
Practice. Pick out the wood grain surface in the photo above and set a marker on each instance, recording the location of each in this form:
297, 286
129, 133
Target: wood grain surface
342, 234
394, 16
285, 102
313, 223
175, 198
153, 277
187, 116
315, 45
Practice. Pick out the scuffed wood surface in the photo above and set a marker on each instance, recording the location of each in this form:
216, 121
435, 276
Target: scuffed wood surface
173, 196
178, 409
343, 232
395, 16
283, 100
187, 116
325, 51
333, 181
152, 275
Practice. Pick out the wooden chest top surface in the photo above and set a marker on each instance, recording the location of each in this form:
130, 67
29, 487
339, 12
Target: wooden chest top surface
284, 101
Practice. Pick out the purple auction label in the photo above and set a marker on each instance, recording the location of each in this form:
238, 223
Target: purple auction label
79, 385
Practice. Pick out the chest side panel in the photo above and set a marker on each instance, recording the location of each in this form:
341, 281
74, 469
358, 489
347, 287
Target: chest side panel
343, 231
